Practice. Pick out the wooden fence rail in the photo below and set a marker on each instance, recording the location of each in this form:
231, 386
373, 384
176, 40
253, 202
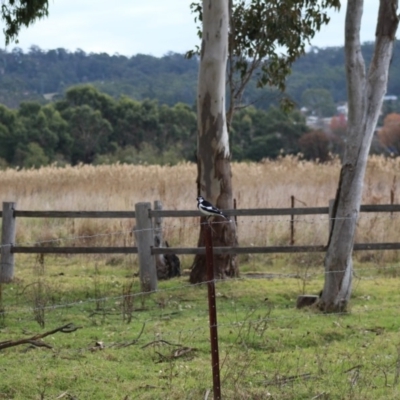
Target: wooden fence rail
144, 234
75, 214
197, 250
194, 213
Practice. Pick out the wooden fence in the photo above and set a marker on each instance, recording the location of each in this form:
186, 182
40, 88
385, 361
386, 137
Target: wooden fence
144, 232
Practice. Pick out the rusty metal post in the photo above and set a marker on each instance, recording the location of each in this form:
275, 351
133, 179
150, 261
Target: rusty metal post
212, 309
292, 222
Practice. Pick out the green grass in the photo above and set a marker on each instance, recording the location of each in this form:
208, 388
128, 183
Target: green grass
268, 349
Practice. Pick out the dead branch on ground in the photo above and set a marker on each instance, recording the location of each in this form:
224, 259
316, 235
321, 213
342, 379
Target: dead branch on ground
36, 340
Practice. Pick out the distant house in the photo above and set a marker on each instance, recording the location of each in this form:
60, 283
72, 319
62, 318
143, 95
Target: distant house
343, 109
312, 122
50, 96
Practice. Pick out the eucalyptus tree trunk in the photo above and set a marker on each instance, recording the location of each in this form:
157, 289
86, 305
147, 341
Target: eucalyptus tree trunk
214, 179
365, 96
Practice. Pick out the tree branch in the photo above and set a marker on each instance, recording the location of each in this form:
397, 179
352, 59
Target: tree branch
36, 339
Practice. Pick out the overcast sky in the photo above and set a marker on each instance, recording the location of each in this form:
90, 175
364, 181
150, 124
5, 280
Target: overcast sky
153, 27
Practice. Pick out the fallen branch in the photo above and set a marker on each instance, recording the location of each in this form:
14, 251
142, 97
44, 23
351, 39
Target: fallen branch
101, 346
134, 341
161, 341
182, 351
175, 354
283, 380
36, 339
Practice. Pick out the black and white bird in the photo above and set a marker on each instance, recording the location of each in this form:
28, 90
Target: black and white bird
207, 209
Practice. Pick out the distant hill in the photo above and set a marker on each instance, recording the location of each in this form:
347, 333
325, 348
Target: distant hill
43, 75
31, 75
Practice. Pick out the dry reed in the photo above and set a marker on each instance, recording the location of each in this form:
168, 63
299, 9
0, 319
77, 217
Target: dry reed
265, 184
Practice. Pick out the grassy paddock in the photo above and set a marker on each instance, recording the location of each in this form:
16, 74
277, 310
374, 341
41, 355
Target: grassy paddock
132, 346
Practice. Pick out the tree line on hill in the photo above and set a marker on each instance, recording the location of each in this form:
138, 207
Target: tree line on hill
88, 126
170, 79
140, 109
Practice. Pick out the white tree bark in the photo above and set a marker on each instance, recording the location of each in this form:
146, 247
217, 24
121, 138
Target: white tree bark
365, 96
213, 140
214, 180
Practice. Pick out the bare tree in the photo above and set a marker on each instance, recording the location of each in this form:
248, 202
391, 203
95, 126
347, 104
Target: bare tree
365, 96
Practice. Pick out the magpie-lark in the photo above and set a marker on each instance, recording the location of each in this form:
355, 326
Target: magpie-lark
208, 209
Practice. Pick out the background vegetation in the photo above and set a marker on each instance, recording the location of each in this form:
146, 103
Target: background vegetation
170, 79
141, 109
87, 126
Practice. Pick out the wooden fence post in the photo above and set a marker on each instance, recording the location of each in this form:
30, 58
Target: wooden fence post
330, 214
161, 268
145, 241
392, 190
7, 240
292, 199
158, 236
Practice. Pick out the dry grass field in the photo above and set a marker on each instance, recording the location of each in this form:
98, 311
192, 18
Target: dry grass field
256, 185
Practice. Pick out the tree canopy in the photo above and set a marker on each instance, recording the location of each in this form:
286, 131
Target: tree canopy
18, 13
87, 126
266, 37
